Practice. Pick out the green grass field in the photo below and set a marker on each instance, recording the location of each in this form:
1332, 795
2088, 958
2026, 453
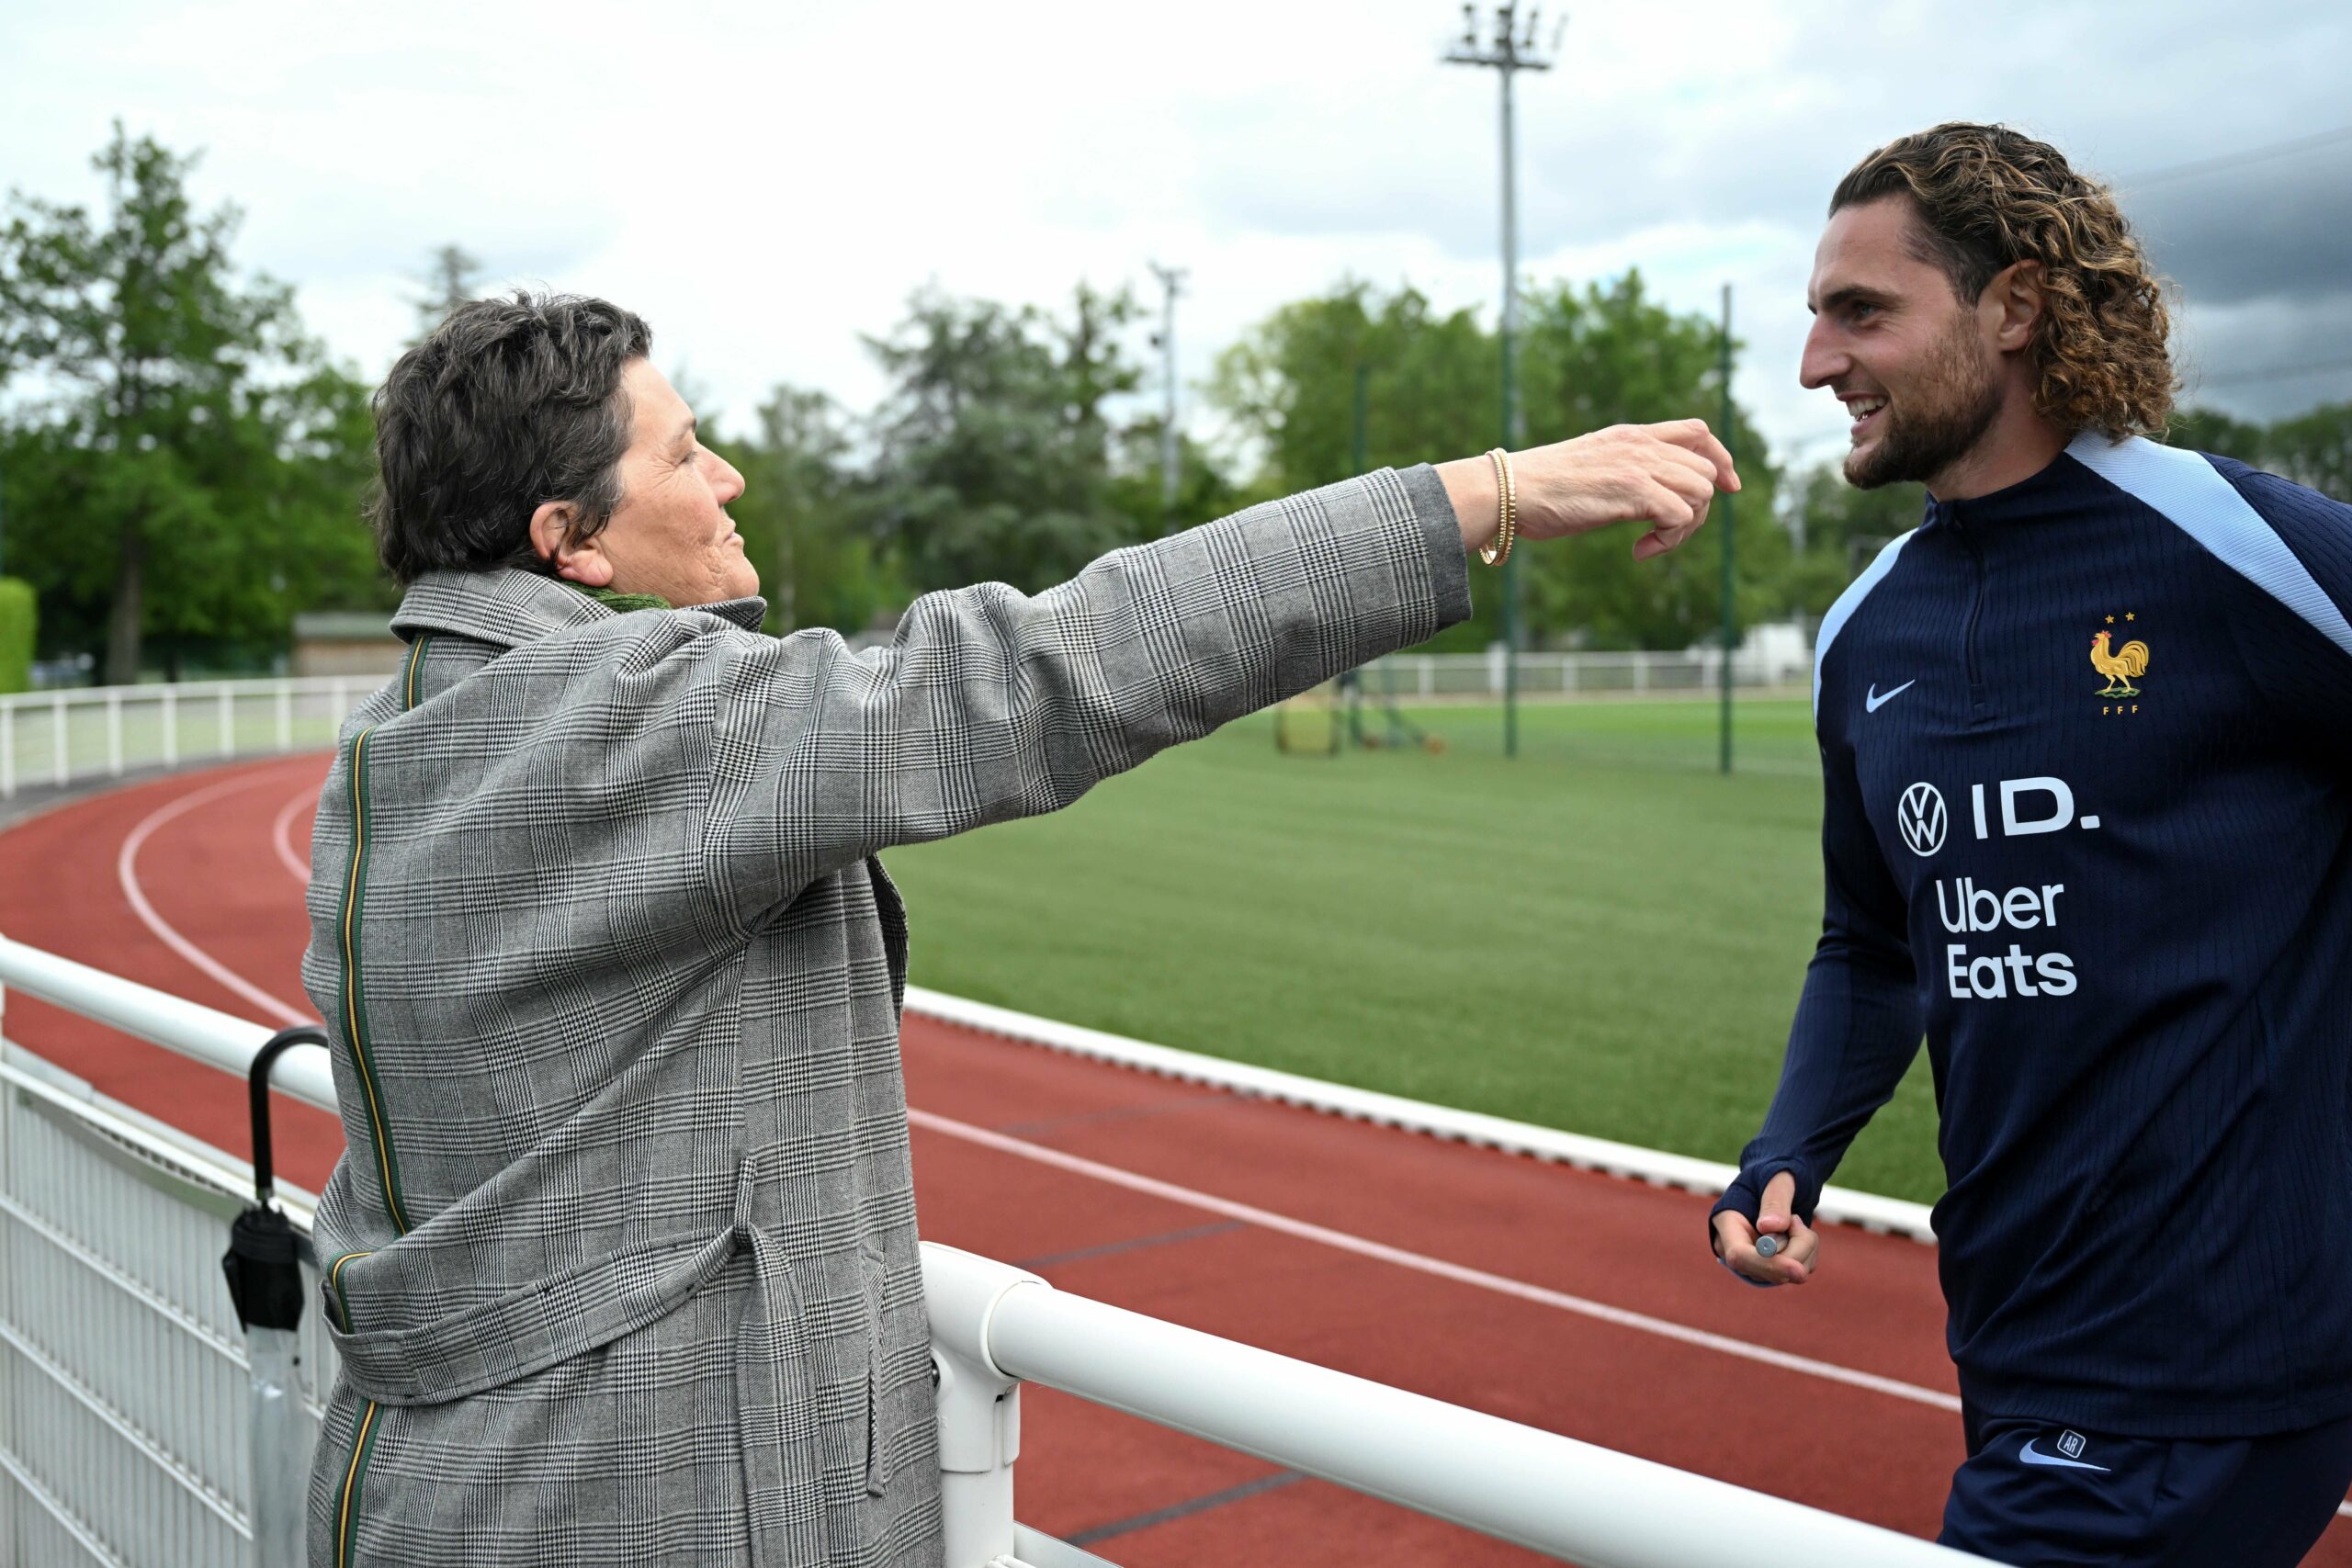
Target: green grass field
1605, 935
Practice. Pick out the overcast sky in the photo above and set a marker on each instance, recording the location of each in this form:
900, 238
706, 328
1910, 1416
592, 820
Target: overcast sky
764, 183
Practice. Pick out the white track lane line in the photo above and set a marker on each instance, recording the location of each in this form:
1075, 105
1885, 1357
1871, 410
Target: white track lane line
1421, 1263
1642, 1322
280, 836
126, 870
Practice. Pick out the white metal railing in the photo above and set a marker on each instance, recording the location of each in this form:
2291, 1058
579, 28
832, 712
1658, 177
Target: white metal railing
120, 1442
65, 736
1480, 677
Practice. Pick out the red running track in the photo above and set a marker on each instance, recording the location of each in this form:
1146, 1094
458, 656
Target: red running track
1571, 1300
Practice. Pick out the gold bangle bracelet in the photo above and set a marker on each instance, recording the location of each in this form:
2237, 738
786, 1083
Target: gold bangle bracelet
1507, 495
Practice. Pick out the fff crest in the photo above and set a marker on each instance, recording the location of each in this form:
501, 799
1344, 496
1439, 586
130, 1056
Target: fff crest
2121, 666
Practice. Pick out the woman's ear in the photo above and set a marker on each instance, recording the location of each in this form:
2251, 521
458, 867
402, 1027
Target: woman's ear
574, 560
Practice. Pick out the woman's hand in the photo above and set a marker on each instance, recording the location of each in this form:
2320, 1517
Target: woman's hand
1662, 475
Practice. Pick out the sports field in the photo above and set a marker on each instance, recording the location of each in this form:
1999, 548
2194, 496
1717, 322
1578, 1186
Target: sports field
1605, 935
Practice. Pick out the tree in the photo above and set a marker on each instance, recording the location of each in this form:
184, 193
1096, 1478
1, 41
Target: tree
1610, 354
2209, 430
1203, 489
1354, 380
1844, 529
451, 278
2314, 449
807, 517
191, 435
995, 442
1430, 386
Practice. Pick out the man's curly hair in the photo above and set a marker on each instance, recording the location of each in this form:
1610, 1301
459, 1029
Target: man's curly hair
1988, 197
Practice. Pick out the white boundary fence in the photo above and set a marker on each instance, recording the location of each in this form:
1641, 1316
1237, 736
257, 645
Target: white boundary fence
1479, 677
65, 737
135, 1428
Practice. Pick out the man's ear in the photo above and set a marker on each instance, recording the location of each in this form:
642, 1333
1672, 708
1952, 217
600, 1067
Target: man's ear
2016, 302
574, 560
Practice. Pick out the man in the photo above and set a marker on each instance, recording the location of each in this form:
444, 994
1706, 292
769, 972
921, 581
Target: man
2086, 757
621, 1257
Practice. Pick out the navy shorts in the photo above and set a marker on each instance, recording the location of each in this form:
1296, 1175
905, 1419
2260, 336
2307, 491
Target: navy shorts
2034, 1494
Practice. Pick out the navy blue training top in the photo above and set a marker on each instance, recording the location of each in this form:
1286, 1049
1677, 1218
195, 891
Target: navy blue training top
2087, 757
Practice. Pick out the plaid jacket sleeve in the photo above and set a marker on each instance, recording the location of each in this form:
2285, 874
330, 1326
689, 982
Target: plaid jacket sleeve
990, 703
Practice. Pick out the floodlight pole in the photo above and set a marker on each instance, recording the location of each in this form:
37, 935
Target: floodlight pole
1512, 50
1171, 283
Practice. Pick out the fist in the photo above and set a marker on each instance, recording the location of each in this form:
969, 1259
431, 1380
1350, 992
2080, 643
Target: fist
1799, 1244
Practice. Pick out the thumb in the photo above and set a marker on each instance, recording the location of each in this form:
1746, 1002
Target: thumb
1772, 1214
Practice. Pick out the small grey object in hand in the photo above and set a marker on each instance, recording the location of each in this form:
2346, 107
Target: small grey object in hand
1767, 1245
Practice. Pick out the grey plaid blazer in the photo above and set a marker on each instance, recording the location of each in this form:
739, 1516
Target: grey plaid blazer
620, 1255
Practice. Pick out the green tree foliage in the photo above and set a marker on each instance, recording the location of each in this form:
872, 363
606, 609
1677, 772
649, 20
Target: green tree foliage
1203, 488
808, 517
1843, 529
995, 440
17, 628
1610, 354
1432, 387
2314, 449
2209, 430
1424, 385
189, 466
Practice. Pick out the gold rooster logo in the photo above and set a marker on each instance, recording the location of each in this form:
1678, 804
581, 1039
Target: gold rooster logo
2122, 667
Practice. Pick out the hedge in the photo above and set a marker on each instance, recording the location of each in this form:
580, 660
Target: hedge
16, 621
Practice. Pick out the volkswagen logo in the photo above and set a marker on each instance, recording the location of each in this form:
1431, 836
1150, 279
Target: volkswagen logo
1921, 819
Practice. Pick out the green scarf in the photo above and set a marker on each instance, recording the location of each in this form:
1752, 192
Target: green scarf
621, 604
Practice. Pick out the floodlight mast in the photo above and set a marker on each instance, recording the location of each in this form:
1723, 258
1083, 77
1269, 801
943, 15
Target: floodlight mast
1171, 284
1512, 49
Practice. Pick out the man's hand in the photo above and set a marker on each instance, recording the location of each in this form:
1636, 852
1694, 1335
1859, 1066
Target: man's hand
1663, 475
1800, 1244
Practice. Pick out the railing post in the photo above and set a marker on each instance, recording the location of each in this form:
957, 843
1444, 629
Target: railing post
113, 731
171, 729
286, 716
225, 705
8, 751
57, 739
980, 1404
1641, 672
1429, 670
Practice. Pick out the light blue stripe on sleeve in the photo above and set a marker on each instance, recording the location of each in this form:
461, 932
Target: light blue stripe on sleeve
1842, 610
2189, 491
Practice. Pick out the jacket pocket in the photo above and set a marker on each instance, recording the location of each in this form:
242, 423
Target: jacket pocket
877, 1447
892, 911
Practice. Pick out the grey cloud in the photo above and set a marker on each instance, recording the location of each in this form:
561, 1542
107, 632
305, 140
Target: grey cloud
2281, 227
2227, 353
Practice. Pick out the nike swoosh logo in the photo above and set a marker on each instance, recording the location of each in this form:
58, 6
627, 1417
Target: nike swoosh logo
2033, 1455
1873, 702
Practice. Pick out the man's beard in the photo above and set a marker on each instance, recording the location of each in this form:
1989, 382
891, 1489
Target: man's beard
1922, 439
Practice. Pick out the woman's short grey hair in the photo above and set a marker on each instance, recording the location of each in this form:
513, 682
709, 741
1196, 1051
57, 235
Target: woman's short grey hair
511, 401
